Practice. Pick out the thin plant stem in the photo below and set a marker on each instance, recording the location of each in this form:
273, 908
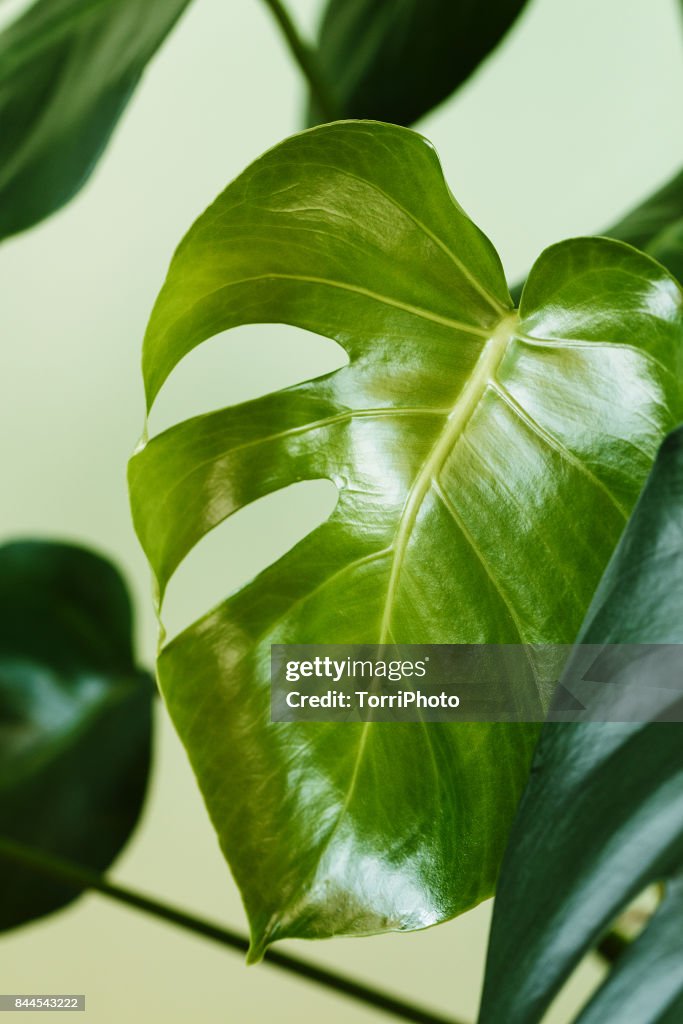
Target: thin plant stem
80, 878
612, 946
307, 60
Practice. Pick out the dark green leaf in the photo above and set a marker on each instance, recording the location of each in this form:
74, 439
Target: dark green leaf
395, 61
602, 817
67, 69
75, 717
485, 463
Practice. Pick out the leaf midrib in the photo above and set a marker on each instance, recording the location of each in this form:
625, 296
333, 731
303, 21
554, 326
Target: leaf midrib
467, 401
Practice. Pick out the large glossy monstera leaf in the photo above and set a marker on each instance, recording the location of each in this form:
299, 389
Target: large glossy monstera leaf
486, 461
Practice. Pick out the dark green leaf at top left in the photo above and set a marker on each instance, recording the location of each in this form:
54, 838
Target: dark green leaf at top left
67, 70
75, 718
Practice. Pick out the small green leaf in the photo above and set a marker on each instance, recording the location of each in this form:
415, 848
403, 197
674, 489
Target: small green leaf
67, 70
395, 61
75, 718
602, 817
485, 462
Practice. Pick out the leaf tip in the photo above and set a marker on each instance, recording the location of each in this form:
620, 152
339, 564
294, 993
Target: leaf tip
257, 948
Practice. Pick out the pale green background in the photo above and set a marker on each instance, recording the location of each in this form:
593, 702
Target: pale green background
575, 118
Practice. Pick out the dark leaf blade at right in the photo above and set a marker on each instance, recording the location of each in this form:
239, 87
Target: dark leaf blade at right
602, 817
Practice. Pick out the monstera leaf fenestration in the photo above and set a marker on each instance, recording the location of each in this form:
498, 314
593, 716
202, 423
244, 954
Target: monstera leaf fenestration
657, 226
394, 62
602, 817
486, 461
75, 718
67, 69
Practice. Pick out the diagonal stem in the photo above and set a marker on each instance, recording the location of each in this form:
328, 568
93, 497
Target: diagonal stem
306, 58
612, 946
80, 878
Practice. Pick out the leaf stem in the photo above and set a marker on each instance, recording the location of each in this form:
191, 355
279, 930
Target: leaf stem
306, 58
80, 878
